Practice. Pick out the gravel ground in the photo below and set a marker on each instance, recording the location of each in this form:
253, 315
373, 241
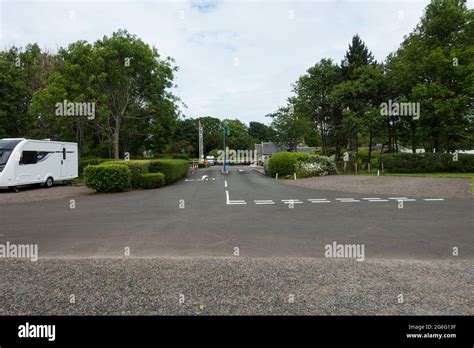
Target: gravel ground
235, 286
390, 185
35, 194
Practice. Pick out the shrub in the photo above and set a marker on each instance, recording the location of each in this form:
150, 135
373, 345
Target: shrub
426, 163
107, 178
301, 156
152, 180
315, 166
137, 169
172, 169
283, 163
83, 163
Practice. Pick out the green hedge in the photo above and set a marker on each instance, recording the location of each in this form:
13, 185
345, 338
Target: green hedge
172, 169
179, 156
137, 169
83, 163
426, 163
152, 180
283, 163
107, 178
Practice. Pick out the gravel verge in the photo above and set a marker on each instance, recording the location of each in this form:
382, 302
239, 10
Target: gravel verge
235, 286
390, 185
36, 194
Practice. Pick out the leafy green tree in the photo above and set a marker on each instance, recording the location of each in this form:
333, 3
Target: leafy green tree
239, 137
434, 67
22, 74
313, 99
290, 125
212, 133
260, 132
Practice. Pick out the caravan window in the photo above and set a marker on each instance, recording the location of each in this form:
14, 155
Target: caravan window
29, 157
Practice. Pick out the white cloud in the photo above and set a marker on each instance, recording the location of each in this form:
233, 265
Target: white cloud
275, 42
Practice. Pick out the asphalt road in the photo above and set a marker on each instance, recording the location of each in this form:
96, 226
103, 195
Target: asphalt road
152, 223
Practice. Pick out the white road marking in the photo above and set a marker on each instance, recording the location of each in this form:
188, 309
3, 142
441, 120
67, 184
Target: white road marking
263, 201
189, 180
204, 177
397, 198
378, 200
434, 199
229, 202
347, 200
371, 198
289, 201
320, 201
225, 183
407, 199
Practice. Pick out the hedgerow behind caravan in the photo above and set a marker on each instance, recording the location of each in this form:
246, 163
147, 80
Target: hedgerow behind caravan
26, 162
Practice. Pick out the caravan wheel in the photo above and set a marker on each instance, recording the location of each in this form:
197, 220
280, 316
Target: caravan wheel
49, 182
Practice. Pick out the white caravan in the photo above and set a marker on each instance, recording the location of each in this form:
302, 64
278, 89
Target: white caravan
27, 162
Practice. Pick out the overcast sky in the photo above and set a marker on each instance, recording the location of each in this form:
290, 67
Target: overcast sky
237, 59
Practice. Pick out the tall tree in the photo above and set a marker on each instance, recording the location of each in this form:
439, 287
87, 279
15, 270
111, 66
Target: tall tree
290, 125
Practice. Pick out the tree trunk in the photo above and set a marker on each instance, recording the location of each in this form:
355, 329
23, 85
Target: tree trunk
116, 138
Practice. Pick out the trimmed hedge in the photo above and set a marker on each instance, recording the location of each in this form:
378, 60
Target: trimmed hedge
83, 163
152, 180
107, 178
172, 169
179, 156
283, 163
427, 163
137, 169
303, 164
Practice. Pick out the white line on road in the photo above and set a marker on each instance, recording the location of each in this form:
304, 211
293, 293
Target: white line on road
433, 199
378, 200
397, 198
229, 202
225, 183
320, 201
371, 198
290, 201
263, 201
347, 200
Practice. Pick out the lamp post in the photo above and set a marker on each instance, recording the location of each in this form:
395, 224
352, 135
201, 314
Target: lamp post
226, 132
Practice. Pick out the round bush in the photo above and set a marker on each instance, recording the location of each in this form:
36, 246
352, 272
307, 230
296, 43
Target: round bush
152, 180
283, 163
107, 178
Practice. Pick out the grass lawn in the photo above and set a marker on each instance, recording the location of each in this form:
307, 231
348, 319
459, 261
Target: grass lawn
429, 175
